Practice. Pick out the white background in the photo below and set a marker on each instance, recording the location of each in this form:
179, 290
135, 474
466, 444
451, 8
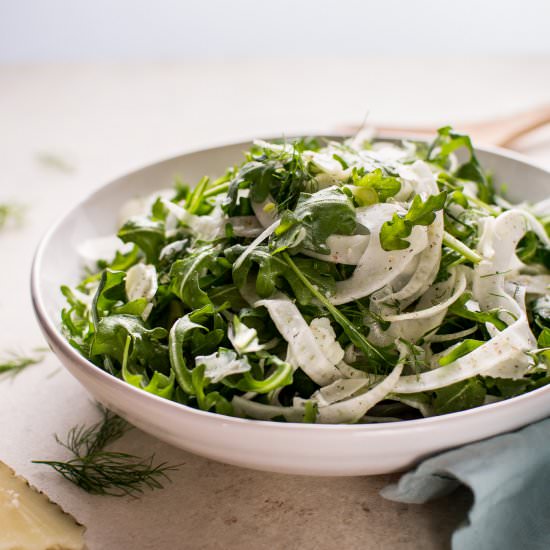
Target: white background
91, 30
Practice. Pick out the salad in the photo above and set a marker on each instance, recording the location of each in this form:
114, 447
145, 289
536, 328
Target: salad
321, 281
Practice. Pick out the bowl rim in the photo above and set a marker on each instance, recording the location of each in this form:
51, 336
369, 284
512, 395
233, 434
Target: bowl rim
53, 333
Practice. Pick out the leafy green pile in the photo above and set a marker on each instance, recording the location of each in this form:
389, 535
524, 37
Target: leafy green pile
351, 281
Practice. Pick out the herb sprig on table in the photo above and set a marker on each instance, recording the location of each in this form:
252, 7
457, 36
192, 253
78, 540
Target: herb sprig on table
105, 472
13, 363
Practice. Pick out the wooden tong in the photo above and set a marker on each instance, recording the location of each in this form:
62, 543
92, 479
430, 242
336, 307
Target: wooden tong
503, 131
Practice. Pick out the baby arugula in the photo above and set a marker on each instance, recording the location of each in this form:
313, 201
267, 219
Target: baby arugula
394, 233
316, 217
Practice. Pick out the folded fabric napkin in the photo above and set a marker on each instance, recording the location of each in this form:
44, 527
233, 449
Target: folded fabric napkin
509, 476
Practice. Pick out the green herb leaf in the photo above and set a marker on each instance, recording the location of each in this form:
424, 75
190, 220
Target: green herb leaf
147, 234
459, 351
187, 274
280, 376
274, 273
506, 387
102, 472
541, 312
458, 397
158, 384
110, 292
194, 199
261, 177
207, 401
198, 333
393, 233
447, 142
146, 347
14, 363
543, 342
481, 317
315, 218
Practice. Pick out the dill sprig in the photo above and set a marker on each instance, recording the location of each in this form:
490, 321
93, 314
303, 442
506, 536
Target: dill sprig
102, 472
14, 363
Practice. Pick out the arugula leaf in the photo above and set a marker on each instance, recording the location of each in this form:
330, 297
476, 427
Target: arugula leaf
145, 233
159, 384
213, 399
76, 323
191, 335
110, 297
531, 250
195, 197
227, 294
459, 397
110, 292
178, 335
274, 272
302, 386
122, 260
256, 175
146, 347
447, 142
543, 342
280, 376
541, 312
527, 247
261, 177
315, 218
193, 381
459, 309
506, 387
393, 233
187, 275
459, 351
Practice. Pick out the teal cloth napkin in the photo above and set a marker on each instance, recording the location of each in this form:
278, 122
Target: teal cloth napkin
509, 476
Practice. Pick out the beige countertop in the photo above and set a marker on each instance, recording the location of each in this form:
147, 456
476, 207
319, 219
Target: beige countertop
64, 130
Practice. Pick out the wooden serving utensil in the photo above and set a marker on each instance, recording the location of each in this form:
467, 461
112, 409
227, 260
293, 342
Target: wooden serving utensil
502, 131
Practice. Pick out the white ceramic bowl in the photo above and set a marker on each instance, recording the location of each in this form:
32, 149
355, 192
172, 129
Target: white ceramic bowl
336, 450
